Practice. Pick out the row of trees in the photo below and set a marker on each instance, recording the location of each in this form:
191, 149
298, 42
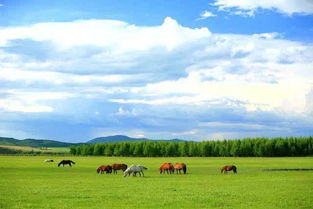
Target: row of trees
256, 147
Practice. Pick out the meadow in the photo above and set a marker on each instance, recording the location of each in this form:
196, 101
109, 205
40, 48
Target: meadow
28, 182
28, 149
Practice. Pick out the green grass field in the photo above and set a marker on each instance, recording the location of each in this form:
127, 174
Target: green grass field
34, 149
27, 182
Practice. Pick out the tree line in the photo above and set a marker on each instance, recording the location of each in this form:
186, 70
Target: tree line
249, 147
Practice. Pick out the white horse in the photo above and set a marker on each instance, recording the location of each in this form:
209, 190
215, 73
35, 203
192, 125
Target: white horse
134, 169
48, 161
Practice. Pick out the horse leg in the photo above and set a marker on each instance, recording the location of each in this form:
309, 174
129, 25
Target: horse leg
143, 175
70, 164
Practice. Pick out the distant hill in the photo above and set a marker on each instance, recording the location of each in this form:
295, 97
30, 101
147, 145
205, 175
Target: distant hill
35, 142
51, 143
122, 138
116, 138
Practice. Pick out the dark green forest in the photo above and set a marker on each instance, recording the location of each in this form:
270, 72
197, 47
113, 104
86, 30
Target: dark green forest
249, 147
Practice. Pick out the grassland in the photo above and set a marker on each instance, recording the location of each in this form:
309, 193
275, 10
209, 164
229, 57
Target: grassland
27, 182
28, 149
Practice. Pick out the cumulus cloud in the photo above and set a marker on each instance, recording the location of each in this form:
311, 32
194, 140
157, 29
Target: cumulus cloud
206, 14
159, 81
250, 7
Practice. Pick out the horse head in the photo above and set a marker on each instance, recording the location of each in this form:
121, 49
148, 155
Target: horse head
126, 172
60, 163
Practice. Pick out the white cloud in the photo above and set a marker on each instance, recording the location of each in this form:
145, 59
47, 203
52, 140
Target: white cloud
206, 14
10, 105
254, 72
29, 102
114, 36
190, 132
249, 7
123, 112
57, 78
160, 76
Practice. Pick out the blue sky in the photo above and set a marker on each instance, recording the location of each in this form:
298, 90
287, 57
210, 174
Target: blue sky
199, 70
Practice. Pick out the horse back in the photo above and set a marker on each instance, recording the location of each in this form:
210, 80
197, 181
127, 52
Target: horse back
119, 166
179, 165
167, 166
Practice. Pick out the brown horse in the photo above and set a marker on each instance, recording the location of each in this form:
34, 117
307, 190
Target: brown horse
168, 167
116, 167
227, 168
104, 168
180, 166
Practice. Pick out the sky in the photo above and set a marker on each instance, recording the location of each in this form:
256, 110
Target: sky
73, 70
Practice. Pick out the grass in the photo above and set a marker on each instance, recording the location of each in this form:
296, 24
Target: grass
33, 149
27, 182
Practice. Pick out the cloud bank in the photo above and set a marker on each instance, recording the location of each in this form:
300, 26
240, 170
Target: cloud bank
249, 7
99, 77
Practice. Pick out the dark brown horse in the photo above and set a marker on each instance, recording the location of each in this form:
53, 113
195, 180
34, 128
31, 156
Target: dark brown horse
168, 167
117, 167
180, 166
66, 162
227, 168
104, 168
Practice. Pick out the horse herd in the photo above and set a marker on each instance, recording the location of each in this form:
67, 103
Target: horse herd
168, 168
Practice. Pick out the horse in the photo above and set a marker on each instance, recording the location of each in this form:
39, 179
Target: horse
64, 162
116, 167
134, 169
180, 166
48, 161
168, 167
227, 168
104, 168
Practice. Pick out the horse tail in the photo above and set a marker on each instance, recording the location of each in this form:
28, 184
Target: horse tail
222, 169
185, 169
235, 169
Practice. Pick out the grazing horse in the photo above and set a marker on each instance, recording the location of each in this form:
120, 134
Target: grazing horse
104, 168
116, 167
134, 169
64, 162
48, 161
168, 167
180, 166
227, 168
